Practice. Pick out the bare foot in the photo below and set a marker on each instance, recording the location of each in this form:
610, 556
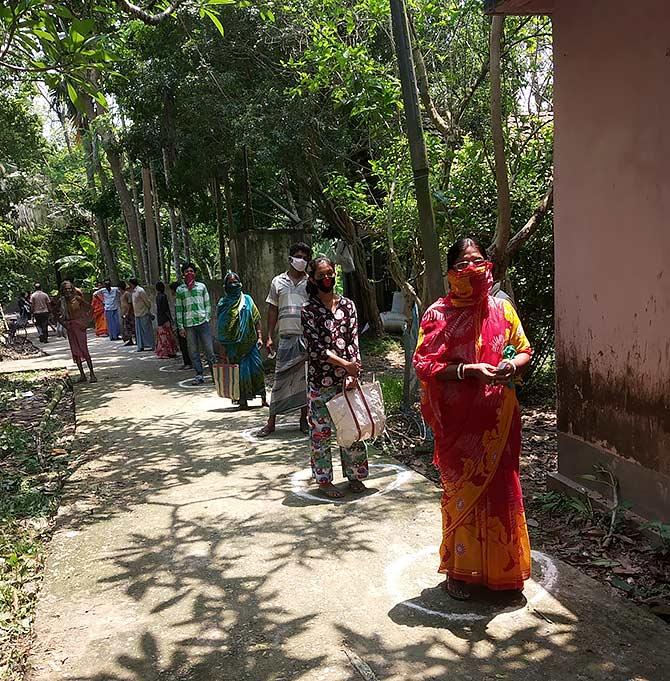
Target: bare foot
265, 431
457, 589
304, 427
357, 486
93, 379
82, 379
330, 491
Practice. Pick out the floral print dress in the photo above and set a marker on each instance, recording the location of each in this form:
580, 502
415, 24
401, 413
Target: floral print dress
336, 331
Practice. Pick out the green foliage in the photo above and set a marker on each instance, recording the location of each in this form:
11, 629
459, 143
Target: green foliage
380, 347
392, 390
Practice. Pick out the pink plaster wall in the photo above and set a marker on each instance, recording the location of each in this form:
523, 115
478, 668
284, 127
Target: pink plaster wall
612, 225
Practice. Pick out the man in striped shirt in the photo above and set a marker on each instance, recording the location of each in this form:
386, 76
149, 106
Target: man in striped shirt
193, 311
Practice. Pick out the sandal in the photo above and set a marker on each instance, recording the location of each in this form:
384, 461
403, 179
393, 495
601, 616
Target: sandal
329, 490
457, 589
357, 487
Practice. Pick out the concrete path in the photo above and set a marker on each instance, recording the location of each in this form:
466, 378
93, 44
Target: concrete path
188, 550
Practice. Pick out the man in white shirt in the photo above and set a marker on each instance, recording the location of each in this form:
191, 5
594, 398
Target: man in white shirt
111, 297
288, 293
40, 304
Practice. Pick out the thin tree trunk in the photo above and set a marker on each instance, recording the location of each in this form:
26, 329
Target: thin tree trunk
228, 197
430, 244
152, 241
248, 205
221, 231
504, 223
185, 235
174, 233
101, 232
127, 204
159, 227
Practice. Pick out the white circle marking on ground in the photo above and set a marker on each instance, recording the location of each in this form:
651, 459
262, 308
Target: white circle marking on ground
170, 368
300, 478
188, 382
393, 572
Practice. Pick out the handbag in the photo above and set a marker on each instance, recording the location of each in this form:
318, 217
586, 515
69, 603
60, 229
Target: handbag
358, 414
227, 380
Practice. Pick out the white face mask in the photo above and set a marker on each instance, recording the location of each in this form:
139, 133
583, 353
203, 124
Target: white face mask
298, 264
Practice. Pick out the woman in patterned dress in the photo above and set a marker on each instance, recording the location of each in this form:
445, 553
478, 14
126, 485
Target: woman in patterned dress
330, 329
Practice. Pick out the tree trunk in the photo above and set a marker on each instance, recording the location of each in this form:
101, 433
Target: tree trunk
220, 228
430, 244
152, 240
248, 205
127, 205
174, 233
186, 239
159, 228
499, 254
101, 232
228, 197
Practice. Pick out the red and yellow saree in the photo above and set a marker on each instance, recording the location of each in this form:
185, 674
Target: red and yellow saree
477, 431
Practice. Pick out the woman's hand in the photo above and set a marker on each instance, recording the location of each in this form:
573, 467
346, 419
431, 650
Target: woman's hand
483, 372
505, 372
352, 369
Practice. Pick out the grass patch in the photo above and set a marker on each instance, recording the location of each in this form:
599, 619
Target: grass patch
380, 347
30, 487
392, 390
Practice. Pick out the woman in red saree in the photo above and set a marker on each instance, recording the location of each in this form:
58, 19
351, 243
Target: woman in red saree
98, 310
470, 347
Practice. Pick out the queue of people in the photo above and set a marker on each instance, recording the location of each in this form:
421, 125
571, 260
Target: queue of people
471, 348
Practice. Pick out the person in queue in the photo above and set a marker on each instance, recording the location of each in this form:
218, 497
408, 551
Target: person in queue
330, 329
127, 315
193, 312
165, 343
74, 313
144, 328
240, 336
471, 346
183, 345
288, 293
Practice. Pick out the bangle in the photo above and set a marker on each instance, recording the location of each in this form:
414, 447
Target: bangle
460, 371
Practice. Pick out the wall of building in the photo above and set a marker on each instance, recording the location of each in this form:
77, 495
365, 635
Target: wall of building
261, 255
612, 230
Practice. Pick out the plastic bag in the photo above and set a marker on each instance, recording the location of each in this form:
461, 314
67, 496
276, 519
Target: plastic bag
358, 414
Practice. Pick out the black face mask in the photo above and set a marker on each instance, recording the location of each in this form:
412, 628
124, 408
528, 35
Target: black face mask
327, 284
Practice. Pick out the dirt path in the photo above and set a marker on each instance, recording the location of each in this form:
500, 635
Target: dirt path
188, 550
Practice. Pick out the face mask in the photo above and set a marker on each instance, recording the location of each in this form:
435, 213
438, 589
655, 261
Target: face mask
298, 264
471, 285
189, 278
233, 288
327, 284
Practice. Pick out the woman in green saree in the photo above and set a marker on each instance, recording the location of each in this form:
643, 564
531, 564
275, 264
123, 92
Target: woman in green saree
240, 336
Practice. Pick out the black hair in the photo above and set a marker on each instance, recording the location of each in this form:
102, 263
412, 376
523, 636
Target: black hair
160, 287
188, 265
459, 246
174, 285
313, 289
122, 285
38, 286
300, 246
133, 281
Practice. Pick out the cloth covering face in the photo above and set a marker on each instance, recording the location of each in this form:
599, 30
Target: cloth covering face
477, 431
